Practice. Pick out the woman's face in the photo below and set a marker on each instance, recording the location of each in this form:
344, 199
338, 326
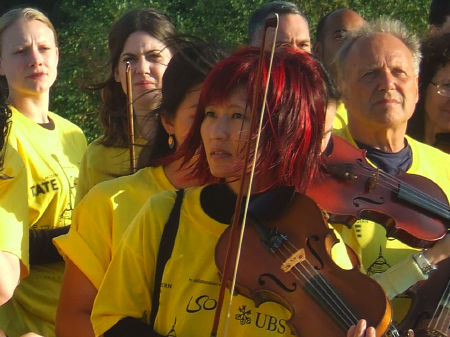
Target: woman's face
437, 107
29, 58
148, 58
224, 132
184, 116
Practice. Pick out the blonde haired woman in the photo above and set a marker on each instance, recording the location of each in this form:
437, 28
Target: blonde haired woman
51, 148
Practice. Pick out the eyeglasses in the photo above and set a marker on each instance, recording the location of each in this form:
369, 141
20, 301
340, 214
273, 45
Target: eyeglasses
442, 89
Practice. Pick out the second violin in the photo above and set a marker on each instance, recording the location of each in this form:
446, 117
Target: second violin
412, 208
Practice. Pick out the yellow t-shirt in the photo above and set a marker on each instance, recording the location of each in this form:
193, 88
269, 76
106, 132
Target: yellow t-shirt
340, 120
52, 159
102, 163
190, 282
368, 239
100, 219
14, 208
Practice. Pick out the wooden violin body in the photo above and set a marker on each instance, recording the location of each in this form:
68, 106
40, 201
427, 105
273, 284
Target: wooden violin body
429, 314
412, 208
324, 299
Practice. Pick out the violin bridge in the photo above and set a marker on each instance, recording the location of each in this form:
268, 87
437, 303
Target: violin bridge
373, 181
296, 258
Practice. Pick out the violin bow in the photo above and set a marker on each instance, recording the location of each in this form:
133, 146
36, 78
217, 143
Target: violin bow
130, 118
231, 247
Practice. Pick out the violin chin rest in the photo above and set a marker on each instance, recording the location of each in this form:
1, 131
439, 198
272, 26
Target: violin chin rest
269, 205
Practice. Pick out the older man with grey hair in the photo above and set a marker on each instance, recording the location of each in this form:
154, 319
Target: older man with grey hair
378, 70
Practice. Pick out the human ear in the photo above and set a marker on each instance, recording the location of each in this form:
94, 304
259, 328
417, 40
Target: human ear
168, 125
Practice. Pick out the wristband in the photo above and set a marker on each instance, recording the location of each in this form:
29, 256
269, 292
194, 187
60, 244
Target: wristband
422, 262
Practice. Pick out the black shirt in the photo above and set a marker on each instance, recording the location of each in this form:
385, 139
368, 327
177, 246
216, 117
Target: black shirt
389, 162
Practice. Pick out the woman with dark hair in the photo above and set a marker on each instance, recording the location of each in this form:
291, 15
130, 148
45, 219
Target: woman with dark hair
14, 264
431, 120
51, 148
105, 212
138, 38
179, 299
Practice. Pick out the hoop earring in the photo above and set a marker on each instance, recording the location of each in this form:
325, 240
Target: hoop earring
171, 142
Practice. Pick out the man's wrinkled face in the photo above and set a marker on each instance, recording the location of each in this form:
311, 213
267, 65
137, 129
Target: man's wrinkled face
379, 84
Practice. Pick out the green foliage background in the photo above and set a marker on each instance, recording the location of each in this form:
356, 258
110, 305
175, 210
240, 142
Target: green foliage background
83, 27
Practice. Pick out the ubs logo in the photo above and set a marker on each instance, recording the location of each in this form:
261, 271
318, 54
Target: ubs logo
244, 315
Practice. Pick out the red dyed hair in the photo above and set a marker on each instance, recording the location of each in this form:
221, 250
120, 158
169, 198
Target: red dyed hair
295, 112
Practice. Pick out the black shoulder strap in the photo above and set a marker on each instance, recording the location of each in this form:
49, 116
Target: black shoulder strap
165, 251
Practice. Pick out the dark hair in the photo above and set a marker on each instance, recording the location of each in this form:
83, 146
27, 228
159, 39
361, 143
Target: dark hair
439, 10
5, 115
294, 120
113, 115
188, 67
435, 55
256, 21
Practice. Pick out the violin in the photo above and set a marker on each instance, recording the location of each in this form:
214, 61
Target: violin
412, 208
429, 315
285, 258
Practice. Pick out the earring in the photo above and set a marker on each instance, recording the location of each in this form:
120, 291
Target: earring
171, 142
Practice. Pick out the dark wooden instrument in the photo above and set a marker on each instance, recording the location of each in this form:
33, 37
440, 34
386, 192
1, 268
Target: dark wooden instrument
429, 315
412, 208
285, 258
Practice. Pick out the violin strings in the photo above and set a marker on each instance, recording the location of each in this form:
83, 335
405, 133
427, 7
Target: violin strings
393, 184
441, 316
323, 290
422, 199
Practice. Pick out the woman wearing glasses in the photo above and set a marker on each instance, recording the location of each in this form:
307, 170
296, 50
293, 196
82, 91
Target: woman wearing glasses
138, 38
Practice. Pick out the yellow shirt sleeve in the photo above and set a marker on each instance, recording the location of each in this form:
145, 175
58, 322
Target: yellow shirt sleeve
101, 218
132, 268
14, 208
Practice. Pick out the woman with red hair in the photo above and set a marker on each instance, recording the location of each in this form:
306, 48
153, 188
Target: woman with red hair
163, 279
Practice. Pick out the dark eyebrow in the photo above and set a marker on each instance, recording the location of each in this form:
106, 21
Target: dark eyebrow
146, 52
127, 55
154, 51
